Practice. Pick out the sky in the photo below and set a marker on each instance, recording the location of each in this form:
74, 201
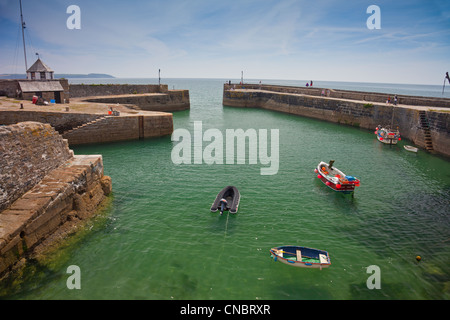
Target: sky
319, 40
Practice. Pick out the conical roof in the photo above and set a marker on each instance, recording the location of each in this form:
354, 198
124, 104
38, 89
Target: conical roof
39, 66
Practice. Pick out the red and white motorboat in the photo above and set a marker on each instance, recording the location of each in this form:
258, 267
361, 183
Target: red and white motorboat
335, 178
387, 135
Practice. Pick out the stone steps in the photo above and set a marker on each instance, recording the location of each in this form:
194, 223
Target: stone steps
90, 123
426, 131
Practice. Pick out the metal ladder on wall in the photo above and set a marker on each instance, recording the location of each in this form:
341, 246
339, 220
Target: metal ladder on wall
426, 131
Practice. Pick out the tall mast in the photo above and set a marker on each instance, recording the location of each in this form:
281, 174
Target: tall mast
23, 37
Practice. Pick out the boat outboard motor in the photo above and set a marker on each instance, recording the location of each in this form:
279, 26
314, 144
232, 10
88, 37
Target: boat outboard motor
330, 165
223, 205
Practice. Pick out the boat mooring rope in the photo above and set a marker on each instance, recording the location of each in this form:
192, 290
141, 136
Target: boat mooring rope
226, 225
224, 237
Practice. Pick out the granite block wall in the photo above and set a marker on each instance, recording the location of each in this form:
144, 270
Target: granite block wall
173, 100
89, 90
28, 151
350, 112
45, 191
61, 121
347, 94
122, 128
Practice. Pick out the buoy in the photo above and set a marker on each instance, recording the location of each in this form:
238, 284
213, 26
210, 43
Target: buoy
418, 258
338, 186
319, 176
399, 139
316, 171
328, 183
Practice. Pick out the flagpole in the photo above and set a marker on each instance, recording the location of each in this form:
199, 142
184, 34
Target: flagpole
23, 37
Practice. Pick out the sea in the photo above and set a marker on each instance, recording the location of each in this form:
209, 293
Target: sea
156, 238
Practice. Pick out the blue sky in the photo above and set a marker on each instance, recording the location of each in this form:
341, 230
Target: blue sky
267, 39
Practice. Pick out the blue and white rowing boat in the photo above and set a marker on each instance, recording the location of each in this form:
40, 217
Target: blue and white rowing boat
301, 256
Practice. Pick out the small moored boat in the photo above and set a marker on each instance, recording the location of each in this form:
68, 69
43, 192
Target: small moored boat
335, 178
227, 199
301, 256
411, 148
387, 135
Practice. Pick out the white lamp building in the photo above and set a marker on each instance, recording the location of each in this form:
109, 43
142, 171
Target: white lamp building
39, 71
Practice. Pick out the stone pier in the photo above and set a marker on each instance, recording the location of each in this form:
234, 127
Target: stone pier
423, 120
45, 189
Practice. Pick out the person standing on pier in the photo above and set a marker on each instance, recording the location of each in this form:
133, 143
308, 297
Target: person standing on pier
447, 77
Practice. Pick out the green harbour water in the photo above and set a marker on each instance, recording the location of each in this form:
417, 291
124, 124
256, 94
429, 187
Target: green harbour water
157, 239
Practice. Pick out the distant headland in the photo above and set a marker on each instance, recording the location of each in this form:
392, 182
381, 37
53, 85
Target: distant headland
62, 75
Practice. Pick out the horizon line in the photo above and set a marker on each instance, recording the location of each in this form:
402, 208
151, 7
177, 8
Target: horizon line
262, 79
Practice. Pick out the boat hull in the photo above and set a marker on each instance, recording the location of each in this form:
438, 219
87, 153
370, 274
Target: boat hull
387, 136
302, 257
411, 149
344, 188
387, 140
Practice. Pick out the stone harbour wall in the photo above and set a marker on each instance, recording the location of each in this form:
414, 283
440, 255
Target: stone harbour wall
439, 123
363, 114
9, 87
61, 121
173, 100
55, 192
89, 90
84, 128
28, 152
347, 94
111, 128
